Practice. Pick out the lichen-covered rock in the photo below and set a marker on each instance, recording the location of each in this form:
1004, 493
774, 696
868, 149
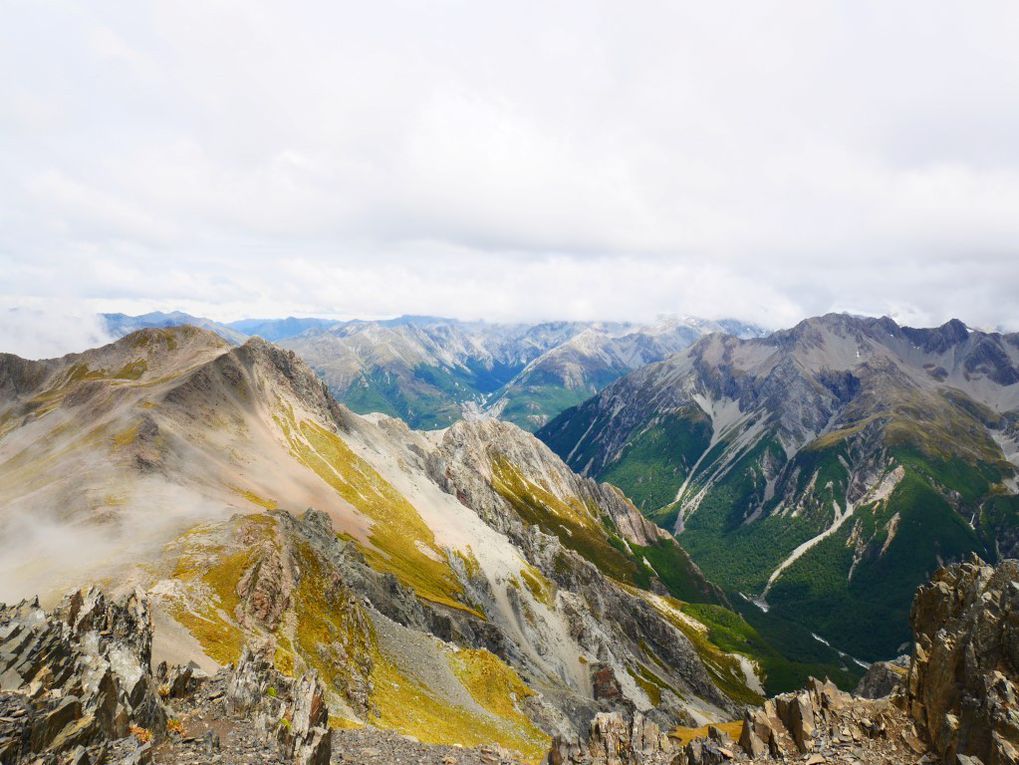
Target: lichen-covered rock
962, 687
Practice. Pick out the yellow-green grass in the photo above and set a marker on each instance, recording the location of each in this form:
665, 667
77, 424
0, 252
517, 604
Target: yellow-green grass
400, 542
407, 706
218, 570
575, 523
685, 735
326, 615
323, 613
255, 499
541, 588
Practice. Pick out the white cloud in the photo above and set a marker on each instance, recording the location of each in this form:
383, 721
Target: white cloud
530, 160
49, 329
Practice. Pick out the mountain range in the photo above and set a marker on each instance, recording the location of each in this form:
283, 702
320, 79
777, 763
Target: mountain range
821, 473
461, 586
427, 370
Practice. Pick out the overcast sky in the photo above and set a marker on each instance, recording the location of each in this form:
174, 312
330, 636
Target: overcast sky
512, 160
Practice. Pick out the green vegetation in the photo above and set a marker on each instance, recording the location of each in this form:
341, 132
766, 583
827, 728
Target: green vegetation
582, 529
673, 566
132, 370
724, 668
786, 654
425, 396
740, 555
532, 405
656, 461
890, 547
566, 434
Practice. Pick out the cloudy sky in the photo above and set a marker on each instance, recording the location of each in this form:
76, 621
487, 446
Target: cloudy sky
511, 160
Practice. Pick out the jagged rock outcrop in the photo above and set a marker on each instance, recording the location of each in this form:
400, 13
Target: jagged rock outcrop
883, 678
294, 710
962, 688
76, 686
77, 676
823, 724
614, 740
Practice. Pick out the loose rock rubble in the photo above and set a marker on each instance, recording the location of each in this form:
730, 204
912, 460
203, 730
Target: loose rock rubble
818, 725
823, 724
370, 746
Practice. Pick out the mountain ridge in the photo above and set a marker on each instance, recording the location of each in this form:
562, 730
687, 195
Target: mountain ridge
167, 461
761, 453
428, 369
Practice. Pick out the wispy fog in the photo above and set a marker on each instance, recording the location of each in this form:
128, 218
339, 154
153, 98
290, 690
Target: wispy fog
49, 330
46, 555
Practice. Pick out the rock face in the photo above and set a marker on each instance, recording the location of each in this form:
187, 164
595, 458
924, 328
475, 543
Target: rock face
962, 688
294, 709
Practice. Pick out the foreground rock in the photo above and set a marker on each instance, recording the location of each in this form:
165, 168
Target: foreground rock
614, 740
883, 678
823, 724
77, 677
963, 679
955, 701
76, 686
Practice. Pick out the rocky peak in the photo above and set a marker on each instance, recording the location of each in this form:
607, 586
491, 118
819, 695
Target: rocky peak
479, 444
